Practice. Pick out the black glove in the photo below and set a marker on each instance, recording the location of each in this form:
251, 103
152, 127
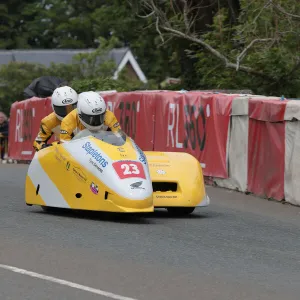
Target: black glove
45, 146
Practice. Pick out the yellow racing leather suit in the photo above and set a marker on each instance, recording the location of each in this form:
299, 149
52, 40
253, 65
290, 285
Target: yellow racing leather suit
71, 125
49, 125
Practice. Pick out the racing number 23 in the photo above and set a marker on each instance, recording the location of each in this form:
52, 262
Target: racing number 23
129, 169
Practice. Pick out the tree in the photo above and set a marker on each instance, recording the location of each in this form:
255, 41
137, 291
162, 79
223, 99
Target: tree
13, 32
89, 71
116, 18
14, 77
258, 46
224, 44
78, 24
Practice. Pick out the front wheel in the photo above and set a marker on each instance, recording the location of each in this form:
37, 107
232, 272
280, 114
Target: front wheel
180, 211
51, 209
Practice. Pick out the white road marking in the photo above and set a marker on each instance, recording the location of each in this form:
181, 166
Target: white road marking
66, 283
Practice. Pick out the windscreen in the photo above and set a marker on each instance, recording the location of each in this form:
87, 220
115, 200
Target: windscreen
113, 138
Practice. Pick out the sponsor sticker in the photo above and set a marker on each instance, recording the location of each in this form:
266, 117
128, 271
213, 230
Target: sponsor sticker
94, 164
161, 172
116, 125
96, 154
159, 165
94, 188
168, 197
137, 185
63, 131
59, 156
97, 109
142, 157
79, 174
67, 101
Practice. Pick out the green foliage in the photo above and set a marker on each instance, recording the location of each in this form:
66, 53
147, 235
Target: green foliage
99, 84
95, 63
12, 28
73, 24
89, 71
122, 84
228, 26
14, 77
276, 58
116, 18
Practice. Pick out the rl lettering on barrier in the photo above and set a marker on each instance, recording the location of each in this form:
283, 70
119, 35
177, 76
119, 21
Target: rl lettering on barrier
24, 121
19, 123
193, 132
111, 106
128, 117
172, 108
195, 126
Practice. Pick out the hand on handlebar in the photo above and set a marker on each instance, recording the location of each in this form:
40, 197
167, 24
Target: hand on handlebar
45, 146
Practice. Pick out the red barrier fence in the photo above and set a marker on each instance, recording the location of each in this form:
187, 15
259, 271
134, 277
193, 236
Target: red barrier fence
266, 151
195, 123
240, 140
25, 117
168, 121
136, 115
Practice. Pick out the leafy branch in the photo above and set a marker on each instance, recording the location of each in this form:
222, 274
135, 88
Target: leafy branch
183, 19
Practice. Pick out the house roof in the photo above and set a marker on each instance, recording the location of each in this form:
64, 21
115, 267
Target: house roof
45, 57
118, 54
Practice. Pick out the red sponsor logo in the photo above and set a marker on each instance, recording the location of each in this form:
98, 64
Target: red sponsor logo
129, 169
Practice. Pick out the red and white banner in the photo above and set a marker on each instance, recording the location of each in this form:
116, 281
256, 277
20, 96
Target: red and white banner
196, 123
136, 113
25, 118
266, 148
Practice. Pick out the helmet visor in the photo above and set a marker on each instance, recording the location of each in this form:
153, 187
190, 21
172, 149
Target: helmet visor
62, 111
92, 120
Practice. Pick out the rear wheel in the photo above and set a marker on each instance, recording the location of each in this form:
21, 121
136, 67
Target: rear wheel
180, 211
51, 209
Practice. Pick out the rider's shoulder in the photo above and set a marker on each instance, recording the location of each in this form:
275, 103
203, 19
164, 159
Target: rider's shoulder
109, 113
51, 117
72, 114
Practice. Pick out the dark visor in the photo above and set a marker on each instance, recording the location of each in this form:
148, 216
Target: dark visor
62, 111
93, 120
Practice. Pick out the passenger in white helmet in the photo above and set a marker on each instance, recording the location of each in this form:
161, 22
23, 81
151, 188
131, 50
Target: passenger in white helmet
64, 100
91, 113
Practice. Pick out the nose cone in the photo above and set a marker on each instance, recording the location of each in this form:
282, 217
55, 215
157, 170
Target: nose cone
136, 189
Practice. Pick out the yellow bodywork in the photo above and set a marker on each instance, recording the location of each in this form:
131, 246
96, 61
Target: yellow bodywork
56, 179
73, 182
177, 179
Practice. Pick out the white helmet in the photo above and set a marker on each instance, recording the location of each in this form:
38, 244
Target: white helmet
91, 110
64, 100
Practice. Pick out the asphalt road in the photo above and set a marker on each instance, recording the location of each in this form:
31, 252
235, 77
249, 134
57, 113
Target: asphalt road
241, 247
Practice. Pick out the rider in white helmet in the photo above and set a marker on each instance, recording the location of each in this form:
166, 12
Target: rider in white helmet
64, 99
91, 114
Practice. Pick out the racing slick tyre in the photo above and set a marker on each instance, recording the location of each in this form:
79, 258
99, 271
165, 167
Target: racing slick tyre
51, 209
180, 211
